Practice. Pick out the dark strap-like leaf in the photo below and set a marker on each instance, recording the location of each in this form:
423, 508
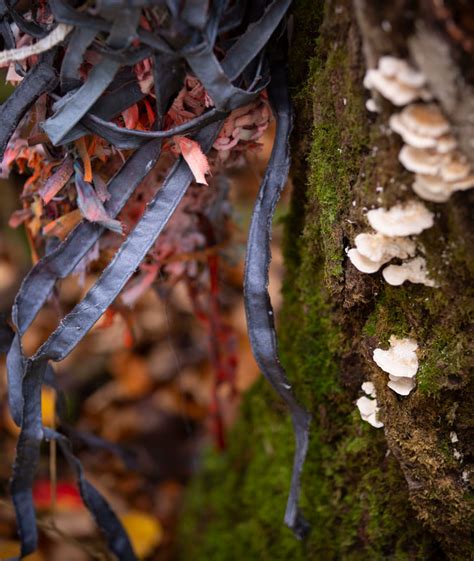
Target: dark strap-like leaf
258, 306
40, 281
131, 253
41, 78
69, 333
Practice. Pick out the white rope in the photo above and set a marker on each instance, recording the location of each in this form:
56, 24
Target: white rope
56, 36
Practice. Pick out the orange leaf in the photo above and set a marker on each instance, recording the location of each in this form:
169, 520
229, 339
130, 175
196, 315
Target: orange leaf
63, 225
11, 549
84, 154
48, 407
194, 157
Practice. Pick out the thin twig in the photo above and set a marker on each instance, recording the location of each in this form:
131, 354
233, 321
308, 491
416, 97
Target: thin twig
59, 33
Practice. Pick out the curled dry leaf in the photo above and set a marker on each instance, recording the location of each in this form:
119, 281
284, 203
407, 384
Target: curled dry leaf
194, 157
57, 180
91, 207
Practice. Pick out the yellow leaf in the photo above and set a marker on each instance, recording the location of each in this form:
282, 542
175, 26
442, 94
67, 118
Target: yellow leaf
145, 531
48, 406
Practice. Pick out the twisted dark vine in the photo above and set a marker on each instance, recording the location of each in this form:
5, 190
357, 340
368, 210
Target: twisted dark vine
187, 39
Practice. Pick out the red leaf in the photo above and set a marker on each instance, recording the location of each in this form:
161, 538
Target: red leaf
19, 216
68, 497
194, 157
130, 116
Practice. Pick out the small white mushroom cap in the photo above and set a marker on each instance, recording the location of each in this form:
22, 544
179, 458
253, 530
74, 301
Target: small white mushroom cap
366, 406
378, 247
421, 160
463, 184
401, 220
425, 119
408, 76
414, 271
446, 143
369, 411
371, 105
400, 359
389, 66
409, 136
369, 389
392, 89
362, 263
401, 385
374, 420
455, 167
392, 67
432, 188
374, 250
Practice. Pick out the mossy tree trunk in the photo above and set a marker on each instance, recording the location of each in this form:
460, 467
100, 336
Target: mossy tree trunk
397, 493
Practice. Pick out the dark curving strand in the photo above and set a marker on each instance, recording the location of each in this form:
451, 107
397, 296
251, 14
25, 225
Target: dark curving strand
70, 332
124, 138
40, 281
26, 26
65, 13
74, 326
105, 518
258, 306
72, 108
42, 78
106, 92
254, 39
80, 40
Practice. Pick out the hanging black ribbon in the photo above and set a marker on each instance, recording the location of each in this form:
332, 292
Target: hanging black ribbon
187, 40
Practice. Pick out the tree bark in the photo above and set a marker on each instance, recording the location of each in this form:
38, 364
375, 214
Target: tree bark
397, 493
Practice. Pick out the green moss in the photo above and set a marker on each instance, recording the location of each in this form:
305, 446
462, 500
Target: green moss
338, 141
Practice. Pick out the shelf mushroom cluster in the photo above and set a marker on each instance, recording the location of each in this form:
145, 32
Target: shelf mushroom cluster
367, 405
393, 228
397, 81
430, 151
400, 362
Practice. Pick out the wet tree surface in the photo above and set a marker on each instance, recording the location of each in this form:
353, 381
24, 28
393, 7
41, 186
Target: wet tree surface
400, 492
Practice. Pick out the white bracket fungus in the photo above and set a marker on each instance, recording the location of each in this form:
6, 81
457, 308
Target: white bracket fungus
437, 189
368, 407
413, 271
401, 385
401, 220
397, 81
369, 389
424, 120
430, 152
374, 250
400, 362
363, 263
372, 106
